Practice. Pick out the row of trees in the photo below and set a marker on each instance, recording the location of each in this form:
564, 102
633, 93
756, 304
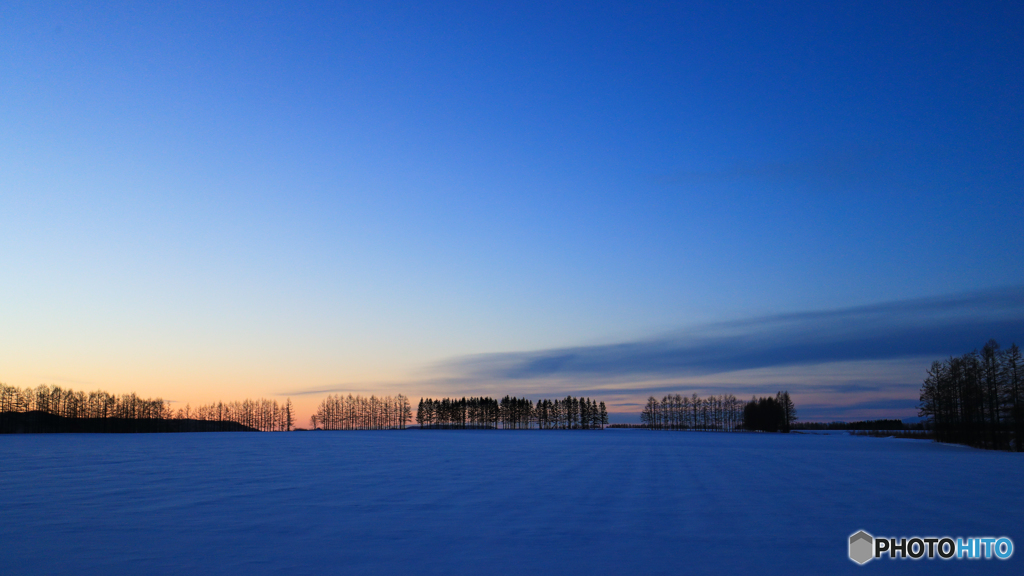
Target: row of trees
358, 413
676, 412
53, 399
977, 399
512, 413
725, 412
260, 414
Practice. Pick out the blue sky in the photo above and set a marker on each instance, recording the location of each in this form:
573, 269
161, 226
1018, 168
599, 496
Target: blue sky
218, 200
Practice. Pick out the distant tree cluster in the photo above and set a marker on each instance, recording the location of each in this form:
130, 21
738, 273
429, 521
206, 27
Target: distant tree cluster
769, 414
676, 412
883, 424
909, 433
358, 413
977, 399
512, 413
261, 414
464, 413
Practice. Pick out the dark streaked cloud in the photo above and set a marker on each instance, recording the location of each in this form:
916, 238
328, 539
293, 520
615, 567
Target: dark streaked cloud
902, 408
881, 404
742, 390
891, 330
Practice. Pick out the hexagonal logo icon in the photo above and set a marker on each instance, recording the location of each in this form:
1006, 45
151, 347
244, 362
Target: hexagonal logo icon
861, 545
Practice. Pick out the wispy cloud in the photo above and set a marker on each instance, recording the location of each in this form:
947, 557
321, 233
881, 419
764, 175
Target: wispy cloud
362, 388
882, 404
850, 363
891, 330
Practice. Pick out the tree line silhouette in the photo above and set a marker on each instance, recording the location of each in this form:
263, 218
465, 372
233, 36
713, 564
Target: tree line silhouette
977, 399
358, 413
52, 399
882, 424
47, 408
717, 413
769, 414
260, 414
677, 412
512, 413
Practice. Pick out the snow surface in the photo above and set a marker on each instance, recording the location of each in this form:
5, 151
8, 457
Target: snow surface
493, 502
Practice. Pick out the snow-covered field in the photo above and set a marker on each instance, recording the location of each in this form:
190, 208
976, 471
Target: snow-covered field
492, 502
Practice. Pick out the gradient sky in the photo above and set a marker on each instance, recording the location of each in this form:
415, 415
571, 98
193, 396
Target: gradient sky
220, 200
